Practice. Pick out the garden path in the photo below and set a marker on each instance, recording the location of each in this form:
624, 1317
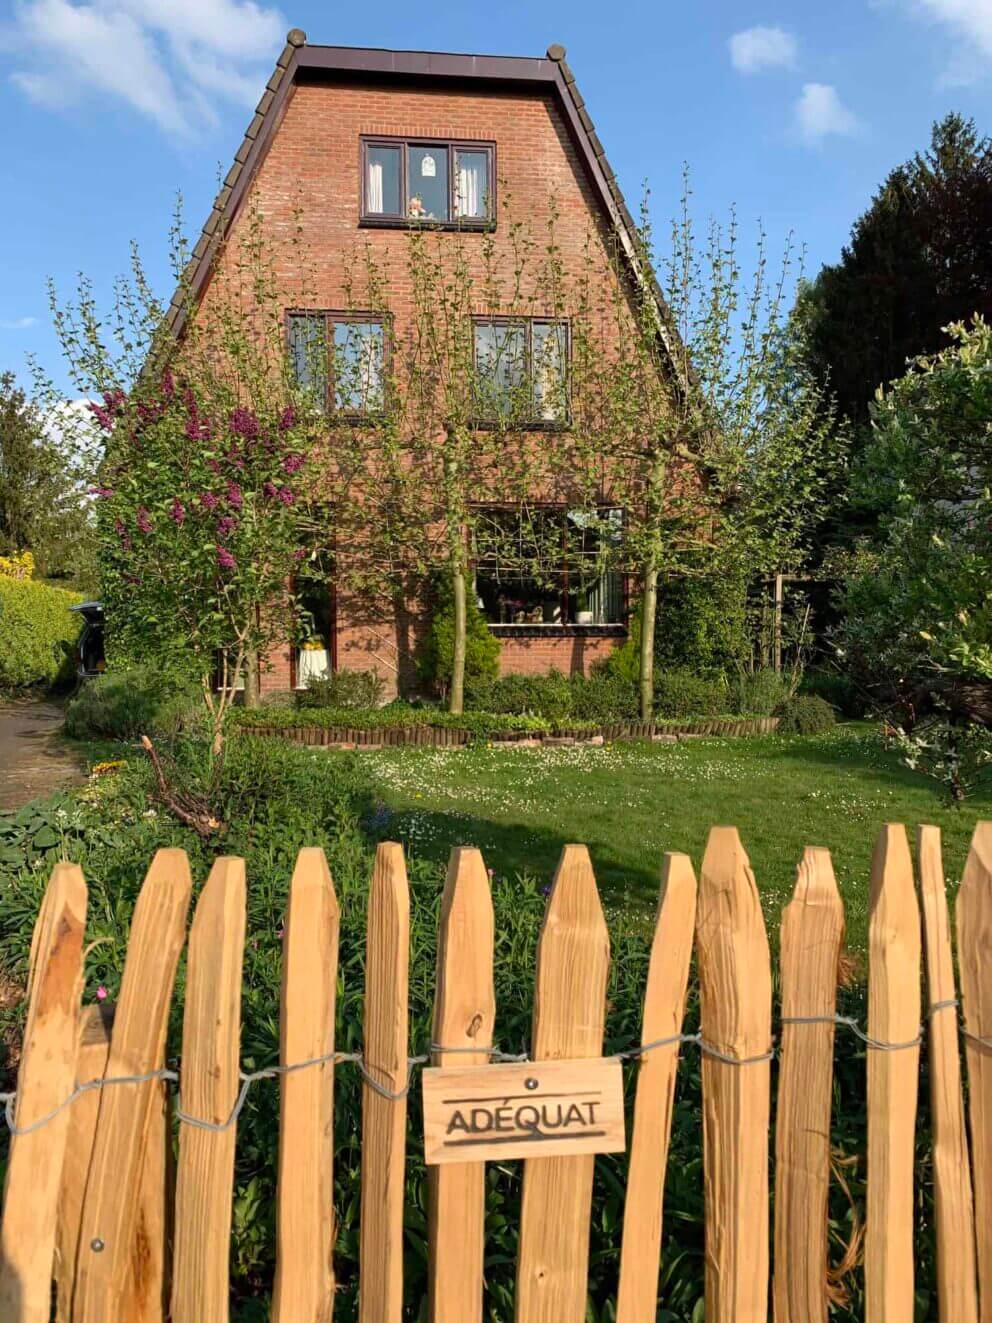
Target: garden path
34, 760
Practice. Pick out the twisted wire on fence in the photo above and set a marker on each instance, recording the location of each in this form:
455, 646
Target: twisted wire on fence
249, 1078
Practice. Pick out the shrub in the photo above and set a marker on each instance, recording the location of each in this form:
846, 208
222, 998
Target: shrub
436, 661
343, 689
548, 695
701, 624
761, 692
683, 693
806, 714
37, 631
840, 691
603, 697
123, 705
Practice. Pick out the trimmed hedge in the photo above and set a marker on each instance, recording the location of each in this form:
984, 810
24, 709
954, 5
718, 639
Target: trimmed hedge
37, 632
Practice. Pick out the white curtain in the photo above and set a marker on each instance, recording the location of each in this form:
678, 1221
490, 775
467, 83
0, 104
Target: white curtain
468, 200
374, 200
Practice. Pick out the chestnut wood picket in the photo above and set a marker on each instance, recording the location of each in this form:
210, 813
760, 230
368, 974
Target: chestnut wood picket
96, 1222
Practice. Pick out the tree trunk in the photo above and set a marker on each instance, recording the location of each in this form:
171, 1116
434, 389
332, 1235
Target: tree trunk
456, 702
252, 696
649, 607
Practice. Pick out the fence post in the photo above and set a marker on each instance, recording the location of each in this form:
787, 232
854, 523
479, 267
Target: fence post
893, 1018
812, 932
974, 927
735, 1017
387, 963
146, 1294
573, 960
304, 1285
952, 1174
664, 1007
137, 1047
45, 1079
209, 1088
464, 1010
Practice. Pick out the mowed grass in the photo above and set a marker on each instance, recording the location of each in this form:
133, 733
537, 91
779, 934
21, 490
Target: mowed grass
631, 802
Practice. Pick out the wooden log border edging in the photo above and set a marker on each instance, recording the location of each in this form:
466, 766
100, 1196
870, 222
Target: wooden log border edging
446, 737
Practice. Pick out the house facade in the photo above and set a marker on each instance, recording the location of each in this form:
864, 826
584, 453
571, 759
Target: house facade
352, 147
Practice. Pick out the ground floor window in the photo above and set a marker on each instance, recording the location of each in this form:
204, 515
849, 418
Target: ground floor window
315, 623
548, 566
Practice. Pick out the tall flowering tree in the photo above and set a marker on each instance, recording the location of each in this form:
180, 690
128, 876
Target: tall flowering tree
211, 461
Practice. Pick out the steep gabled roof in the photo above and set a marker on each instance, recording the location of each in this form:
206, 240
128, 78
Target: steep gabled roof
300, 61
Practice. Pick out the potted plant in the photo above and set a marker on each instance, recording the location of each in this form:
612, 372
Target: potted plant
583, 616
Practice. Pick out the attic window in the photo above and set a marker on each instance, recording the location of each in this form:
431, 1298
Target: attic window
410, 182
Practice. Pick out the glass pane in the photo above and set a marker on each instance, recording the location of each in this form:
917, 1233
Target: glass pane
501, 368
550, 377
382, 181
518, 571
427, 183
358, 366
472, 185
308, 350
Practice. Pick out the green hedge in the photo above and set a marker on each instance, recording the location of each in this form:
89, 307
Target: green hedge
123, 705
37, 632
388, 718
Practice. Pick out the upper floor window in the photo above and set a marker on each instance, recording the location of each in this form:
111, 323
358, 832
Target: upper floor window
521, 367
442, 183
340, 358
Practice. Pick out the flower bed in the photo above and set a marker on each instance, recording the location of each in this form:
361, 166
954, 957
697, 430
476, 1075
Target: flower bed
427, 727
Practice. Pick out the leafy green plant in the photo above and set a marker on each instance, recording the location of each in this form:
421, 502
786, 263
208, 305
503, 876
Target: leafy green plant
123, 705
37, 631
437, 658
762, 692
683, 693
343, 689
958, 756
806, 714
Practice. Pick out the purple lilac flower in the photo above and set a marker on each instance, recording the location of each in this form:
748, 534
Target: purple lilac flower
226, 525
285, 495
102, 416
224, 559
213, 465
177, 512
299, 554
234, 459
168, 384
102, 492
293, 463
244, 423
269, 488
234, 498
210, 501
144, 520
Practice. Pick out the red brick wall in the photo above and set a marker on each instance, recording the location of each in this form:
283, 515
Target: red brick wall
573, 655
310, 178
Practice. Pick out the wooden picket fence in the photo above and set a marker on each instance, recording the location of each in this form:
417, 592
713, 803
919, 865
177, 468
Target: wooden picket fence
89, 1201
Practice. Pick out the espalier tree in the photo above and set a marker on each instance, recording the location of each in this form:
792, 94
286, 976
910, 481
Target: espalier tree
456, 431
211, 454
697, 414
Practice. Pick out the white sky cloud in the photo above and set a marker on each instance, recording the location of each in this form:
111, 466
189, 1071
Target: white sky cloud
17, 323
970, 25
163, 58
760, 48
820, 113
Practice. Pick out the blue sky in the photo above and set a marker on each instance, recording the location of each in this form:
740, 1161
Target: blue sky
792, 112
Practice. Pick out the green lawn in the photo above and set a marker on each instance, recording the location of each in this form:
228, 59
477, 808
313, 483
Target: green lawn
631, 802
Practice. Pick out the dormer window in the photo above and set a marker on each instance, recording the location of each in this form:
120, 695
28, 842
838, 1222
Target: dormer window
424, 182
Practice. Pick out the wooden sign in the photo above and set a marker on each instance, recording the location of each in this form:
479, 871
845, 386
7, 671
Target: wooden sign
532, 1109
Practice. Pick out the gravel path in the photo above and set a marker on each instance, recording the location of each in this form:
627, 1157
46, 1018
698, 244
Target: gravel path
34, 760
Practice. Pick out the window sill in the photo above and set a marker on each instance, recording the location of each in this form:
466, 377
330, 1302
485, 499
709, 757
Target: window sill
532, 631
402, 223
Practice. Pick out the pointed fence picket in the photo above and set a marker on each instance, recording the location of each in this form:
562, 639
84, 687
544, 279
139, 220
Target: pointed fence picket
89, 1198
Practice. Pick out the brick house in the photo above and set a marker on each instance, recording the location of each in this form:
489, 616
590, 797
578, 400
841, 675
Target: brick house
368, 143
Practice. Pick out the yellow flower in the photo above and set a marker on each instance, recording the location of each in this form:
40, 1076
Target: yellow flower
103, 769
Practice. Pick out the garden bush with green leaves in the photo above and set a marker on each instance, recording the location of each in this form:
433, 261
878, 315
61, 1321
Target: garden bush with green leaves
37, 632
806, 714
124, 705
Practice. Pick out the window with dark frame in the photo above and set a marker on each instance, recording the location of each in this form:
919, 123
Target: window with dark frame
548, 566
521, 369
340, 358
408, 181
